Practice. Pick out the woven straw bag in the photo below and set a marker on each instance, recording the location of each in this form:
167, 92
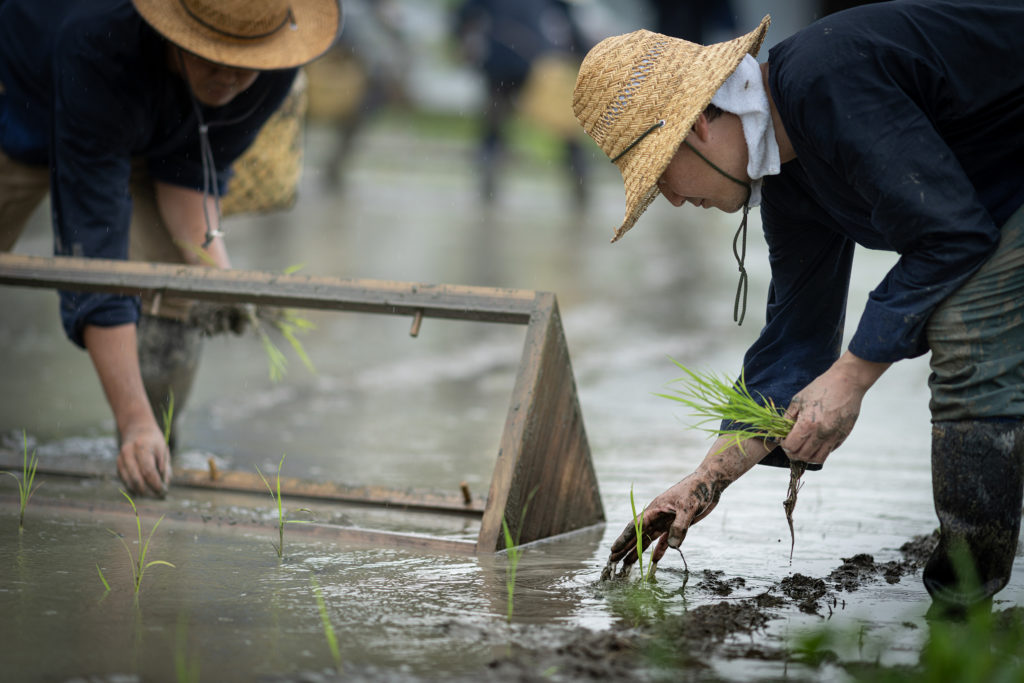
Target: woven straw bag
267, 175
547, 94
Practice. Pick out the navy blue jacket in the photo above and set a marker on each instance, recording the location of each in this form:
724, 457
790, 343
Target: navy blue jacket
88, 90
907, 119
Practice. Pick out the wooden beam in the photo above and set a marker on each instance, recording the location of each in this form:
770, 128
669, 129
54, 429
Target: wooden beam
544, 465
488, 304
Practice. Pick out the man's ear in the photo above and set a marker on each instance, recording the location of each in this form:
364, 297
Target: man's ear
702, 127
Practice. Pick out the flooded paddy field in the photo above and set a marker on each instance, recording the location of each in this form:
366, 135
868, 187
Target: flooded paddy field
384, 408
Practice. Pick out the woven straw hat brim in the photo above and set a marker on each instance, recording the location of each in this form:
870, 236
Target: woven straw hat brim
317, 24
629, 83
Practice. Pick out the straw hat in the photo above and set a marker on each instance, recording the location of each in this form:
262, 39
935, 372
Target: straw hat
249, 34
637, 95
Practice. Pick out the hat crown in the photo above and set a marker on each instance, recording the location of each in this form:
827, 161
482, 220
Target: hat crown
620, 92
240, 18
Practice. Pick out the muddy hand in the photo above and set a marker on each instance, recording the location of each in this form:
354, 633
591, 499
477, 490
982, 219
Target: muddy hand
144, 461
216, 318
666, 520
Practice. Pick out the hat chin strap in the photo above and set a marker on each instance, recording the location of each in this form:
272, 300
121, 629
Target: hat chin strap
739, 306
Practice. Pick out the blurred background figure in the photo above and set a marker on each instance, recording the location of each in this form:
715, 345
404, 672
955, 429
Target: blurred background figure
364, 72
528, 52
698, 21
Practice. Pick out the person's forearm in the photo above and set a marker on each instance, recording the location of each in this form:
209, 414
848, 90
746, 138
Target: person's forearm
726, 463
114, 354
185, 217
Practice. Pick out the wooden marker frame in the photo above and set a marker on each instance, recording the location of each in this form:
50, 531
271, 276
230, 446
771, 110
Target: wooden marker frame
543, 458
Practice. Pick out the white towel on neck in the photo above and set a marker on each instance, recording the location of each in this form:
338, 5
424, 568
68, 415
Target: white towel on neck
743, 94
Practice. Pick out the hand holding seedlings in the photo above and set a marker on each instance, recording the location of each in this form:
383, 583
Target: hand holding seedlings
826, 409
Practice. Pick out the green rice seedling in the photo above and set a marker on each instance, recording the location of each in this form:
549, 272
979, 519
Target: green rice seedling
286, 321
715, 398
138, 565
332, 641
198, 251
288, 324
638, 528
26, 485
514, 552
167, 415
275, 493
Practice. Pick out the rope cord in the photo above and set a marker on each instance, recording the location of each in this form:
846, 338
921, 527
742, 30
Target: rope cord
206, 158
739, 306
636, 142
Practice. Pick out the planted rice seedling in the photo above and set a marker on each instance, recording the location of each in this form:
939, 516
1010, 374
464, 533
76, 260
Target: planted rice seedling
167, 415
718, 399
514, 552
26, 485
275, 493
638, 528
332, 640
138, 565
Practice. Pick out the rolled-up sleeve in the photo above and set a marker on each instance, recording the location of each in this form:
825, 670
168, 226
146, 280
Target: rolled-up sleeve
89, 182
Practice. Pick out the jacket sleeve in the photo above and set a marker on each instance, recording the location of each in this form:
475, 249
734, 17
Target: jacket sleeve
869, 130
90, 172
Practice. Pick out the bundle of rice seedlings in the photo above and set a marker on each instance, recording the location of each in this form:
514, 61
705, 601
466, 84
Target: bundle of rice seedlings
717, 398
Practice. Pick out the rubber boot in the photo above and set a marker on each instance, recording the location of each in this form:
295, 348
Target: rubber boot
978, 484
168, 358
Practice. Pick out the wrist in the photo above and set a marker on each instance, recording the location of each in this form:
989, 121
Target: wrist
859, 372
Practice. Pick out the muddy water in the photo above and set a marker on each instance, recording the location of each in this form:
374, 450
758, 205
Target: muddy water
385, 408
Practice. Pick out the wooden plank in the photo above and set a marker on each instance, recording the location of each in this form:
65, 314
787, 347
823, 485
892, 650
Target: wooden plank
487, 304
250, 482
544, 447
236, 480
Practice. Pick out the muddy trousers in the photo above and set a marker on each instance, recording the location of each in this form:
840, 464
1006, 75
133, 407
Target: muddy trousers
978, 486
169, 352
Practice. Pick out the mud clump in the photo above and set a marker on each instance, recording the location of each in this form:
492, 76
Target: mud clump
709, 624
712, 582
917, 550
861, 569
804, 591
